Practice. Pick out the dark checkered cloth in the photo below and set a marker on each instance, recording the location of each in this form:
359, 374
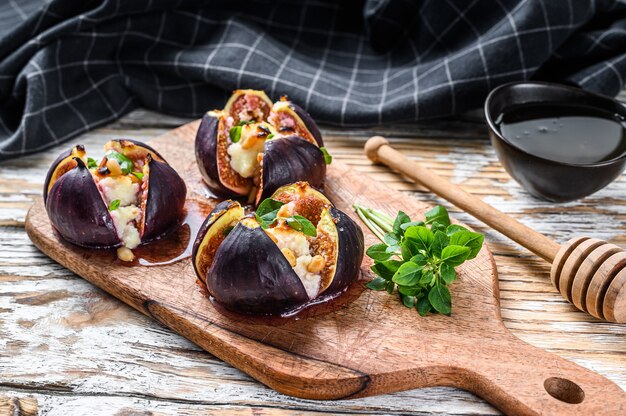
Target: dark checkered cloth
67, 66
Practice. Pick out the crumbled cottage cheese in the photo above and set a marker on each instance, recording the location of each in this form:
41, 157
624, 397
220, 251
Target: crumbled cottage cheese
126, 216
299, 245
244, 161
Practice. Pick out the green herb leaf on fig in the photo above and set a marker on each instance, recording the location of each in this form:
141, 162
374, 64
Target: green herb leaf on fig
125, 163
243, 123
235, 134
138, 175
92, 163
267, 211
270, 136
299, 223
115, 204
327, 156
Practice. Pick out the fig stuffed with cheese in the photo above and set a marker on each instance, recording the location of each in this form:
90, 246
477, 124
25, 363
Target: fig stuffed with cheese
252, 147
294, 249
130, 197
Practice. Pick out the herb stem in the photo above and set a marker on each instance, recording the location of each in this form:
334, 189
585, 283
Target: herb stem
378, 232
382, 220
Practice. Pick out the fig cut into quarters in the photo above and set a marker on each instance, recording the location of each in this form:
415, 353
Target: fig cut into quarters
130, 197
269, 264
252, 147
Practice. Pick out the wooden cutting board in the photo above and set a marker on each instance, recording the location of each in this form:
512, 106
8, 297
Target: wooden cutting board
363, 343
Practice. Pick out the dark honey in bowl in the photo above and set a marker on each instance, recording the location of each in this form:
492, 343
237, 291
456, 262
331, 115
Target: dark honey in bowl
565, 133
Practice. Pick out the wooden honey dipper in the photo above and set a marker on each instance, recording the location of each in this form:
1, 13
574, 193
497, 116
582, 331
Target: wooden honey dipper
589, 273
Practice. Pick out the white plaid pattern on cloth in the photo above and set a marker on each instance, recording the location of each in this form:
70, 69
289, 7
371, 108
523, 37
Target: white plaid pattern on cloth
67, 66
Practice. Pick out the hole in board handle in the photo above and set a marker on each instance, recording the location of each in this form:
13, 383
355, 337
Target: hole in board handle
564, 390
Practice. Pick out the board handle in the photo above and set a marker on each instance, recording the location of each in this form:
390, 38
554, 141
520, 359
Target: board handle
524, 380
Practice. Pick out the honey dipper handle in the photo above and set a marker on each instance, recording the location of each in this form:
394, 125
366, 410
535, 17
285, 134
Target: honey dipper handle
379, 150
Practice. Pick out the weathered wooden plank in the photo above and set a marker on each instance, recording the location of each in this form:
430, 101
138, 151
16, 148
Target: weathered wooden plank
70, 345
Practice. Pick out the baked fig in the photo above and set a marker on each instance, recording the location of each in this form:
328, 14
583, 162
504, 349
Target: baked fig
232, 147
290, 118
132, 196
294, 249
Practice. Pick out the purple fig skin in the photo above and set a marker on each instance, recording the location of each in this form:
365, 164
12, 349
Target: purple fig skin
64, 155
291, 159
250, 275
217, 212
166, 200
206, 155
350, 252
309, 123
78, 212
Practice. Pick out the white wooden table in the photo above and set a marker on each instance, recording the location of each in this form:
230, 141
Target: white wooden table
67, 348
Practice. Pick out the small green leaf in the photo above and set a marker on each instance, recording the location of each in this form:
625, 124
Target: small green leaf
437, 226
453, 228
421, 236
243, 123
391, 239
438, 214
468, 239
408, 274
426, 279
378, 252
389, 287
267, 211
439, 298
115, 204
408, 301
327, 157
419, 259
447, 273
235, 134
411, 224
401, 218
270, 136
423, 306
454, 255
125, 163
377, 283
92, 163
408, 249
299, 223
386, 269
138, 175
440, 241
409, 290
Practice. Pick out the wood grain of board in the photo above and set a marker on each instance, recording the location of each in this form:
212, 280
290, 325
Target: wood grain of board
362, 345
79, 351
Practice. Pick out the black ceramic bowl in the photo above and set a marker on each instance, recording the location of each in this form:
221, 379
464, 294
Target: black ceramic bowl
545, 178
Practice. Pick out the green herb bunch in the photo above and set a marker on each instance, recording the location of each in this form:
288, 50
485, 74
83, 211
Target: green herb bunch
418, 257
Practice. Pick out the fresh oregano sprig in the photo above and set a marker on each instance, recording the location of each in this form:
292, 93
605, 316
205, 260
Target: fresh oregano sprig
418, 258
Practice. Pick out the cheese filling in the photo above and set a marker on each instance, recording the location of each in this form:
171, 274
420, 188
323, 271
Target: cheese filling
298, 244
127, 215
244, 153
